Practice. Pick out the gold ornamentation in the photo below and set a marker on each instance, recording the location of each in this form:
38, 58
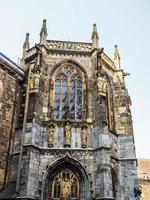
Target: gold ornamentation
84, 136
34, 81
67, 133
65, 186
51, 136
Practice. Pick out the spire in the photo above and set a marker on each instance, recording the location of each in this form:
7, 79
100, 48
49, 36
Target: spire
117, 58
26, 42
26, 46
43, 33
95, 37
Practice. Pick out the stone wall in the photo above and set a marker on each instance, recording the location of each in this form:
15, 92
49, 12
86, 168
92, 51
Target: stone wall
7, 97
108, 159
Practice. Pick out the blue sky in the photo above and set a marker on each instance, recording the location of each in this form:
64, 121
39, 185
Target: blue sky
122, 22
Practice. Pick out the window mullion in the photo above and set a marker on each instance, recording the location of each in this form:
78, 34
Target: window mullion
68, 97
60, 102
75, 101
83, 99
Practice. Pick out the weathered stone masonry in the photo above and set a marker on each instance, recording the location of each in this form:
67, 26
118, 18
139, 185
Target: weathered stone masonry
73, 136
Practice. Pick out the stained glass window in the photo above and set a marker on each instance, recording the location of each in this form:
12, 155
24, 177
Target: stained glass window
68, 94
72, 99
57, 96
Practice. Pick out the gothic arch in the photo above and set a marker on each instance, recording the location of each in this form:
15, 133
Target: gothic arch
110, 103
58, 78
65, 61
65, 163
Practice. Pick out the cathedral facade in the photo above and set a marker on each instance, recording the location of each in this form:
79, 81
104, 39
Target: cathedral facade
71, 136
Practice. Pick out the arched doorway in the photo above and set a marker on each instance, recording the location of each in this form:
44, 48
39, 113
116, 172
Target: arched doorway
66, 179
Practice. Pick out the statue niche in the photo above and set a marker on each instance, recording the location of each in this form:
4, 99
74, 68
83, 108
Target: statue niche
67, 134
51, 136
34, 81
101, 85
84, 136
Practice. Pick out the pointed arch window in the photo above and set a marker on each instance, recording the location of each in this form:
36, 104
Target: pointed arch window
68, 95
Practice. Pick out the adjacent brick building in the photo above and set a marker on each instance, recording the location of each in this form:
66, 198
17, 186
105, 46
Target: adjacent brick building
10, 75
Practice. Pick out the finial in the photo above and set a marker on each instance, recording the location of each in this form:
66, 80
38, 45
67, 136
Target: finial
95, 37
43, 33
116, 58
26, 46
26, 42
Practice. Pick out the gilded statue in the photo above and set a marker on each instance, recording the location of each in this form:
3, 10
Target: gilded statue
65, 189
84, 136
51, 135
68, 133
34, 81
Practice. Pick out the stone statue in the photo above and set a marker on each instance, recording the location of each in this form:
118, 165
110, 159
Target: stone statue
101, 84
65, 189
67, 133
104, 86
84, 136
51, 136
36, 81
31, 82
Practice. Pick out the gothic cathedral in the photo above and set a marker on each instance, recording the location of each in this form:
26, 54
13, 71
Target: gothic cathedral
71, 134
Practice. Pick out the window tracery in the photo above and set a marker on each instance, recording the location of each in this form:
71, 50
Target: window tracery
66, 185
68, 95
